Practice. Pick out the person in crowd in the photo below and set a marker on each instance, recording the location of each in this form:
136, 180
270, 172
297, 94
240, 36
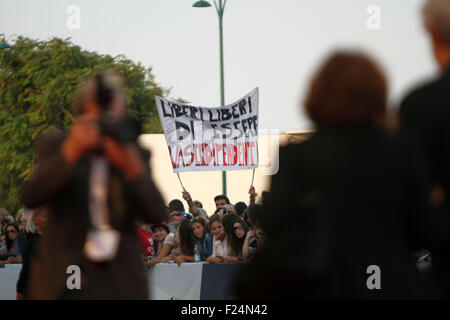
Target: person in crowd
4, 222
146, 241
201, 237
253, 241
176, 215
198, 204
19, 221
231, 210
23, 216
228, 220
352, 197
240, 208
195, 207
221, 248
260, 236
221, 201
161, 232
253, 215
34, 229
3, 213
6, 219
425, 115
238, 236
14, 251
186, 243
3, 248
96, 182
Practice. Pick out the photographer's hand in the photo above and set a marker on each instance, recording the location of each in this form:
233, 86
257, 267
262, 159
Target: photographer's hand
83, 137
125, 157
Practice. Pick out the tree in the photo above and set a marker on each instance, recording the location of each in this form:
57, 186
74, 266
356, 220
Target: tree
38, 81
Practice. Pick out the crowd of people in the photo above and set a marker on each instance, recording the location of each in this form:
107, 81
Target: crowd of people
233, 233
11, 240
358, 195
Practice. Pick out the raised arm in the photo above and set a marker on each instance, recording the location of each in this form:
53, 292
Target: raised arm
192, 206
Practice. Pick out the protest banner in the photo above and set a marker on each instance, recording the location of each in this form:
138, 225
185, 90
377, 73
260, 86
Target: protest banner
207, 139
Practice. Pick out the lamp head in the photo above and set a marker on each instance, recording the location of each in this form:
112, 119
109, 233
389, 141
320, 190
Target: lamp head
201, 4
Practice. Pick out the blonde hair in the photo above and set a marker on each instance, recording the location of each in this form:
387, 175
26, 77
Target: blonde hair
30, 227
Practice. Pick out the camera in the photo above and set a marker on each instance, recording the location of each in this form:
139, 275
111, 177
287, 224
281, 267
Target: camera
122, 129
225, 211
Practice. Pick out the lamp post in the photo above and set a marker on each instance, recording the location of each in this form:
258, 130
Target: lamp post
4, 45
220, 7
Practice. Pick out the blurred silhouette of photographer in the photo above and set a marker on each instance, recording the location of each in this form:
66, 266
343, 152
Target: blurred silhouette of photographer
96, 183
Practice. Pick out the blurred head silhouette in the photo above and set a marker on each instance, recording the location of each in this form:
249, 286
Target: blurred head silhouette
436, 14
348, 90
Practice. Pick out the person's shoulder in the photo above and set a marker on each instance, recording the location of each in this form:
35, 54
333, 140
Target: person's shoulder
424, 94
169, 237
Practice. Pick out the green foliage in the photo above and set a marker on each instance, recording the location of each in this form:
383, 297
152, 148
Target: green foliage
38, 81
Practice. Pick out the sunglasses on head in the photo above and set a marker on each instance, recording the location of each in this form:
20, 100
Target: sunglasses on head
195, 219
180, 214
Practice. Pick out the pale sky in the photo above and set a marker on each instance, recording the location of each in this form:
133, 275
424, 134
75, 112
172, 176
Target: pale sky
273, 45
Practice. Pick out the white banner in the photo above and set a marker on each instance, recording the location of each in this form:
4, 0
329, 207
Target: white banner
206, 139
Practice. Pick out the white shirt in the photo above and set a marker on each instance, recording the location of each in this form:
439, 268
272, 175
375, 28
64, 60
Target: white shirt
220, 248
102, 241
98, 187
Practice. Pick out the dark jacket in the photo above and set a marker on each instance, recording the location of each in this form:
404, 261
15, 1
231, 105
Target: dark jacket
425, 115
64, 189
342, 201
28, 253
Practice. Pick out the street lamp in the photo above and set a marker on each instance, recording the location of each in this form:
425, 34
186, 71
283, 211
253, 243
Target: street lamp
4, 45
220, 7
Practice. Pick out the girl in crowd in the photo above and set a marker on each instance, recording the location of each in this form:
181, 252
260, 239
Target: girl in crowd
161, 234
258, 235
238, 236
221, 249
12, 244
228, 222
201, 237
185, 242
